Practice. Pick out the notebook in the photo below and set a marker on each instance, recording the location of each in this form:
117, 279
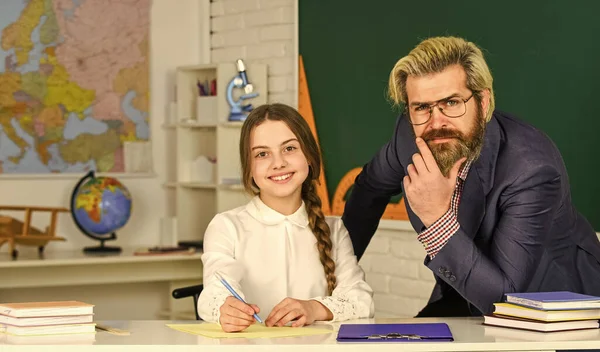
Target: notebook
420, 332
46, 309
557, 300
527, 324
502, 334
37, 321
48, 329
514, 310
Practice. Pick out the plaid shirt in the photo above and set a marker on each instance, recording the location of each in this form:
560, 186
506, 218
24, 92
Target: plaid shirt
438, 234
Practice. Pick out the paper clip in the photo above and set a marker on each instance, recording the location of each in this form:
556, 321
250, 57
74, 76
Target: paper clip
394, 335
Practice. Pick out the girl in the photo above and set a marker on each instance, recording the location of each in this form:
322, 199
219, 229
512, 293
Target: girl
279, 252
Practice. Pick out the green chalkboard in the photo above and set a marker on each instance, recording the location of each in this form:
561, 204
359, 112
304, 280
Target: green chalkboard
544, 56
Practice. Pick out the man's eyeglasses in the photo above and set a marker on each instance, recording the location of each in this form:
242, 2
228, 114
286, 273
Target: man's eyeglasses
452, 107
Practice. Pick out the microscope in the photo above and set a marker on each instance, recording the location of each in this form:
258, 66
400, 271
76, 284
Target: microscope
238, 111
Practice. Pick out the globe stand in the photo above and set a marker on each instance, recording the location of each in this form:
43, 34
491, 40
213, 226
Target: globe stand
102, 249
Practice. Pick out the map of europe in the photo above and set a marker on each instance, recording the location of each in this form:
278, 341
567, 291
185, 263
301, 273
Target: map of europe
74, 84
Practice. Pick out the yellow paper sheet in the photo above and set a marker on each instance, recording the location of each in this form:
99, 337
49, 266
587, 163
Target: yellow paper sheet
254, 331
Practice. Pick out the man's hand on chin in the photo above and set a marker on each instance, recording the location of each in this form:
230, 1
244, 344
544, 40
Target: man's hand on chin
427, 190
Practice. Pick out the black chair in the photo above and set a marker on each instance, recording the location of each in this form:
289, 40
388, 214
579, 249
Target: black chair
190, 291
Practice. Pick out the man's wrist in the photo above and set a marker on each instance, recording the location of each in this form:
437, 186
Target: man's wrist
429, 222
435, 237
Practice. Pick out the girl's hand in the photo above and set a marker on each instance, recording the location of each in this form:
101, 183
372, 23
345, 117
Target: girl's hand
303, 312
236, 315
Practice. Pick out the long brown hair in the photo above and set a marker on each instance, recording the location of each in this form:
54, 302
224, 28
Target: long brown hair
308, 144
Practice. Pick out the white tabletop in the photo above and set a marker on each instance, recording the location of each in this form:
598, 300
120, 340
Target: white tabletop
469, 335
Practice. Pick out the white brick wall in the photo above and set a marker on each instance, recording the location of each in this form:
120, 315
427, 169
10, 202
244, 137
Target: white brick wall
258, 31
394, 268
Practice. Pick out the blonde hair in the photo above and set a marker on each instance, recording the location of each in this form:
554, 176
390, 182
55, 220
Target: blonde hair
435, 54
308, 144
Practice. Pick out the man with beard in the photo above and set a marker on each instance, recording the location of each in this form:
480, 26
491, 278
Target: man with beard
487, 194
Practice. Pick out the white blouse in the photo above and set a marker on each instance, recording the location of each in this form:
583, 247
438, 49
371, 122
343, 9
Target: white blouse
267, 256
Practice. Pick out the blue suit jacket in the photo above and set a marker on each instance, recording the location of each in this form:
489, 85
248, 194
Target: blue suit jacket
519, 230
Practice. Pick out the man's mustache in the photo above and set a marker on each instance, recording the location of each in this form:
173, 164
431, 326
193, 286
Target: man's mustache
441, 133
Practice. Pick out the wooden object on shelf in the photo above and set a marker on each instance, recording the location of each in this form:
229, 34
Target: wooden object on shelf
197, 133
16, 232
393, 211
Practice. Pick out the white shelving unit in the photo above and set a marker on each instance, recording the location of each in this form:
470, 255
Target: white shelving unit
193, 204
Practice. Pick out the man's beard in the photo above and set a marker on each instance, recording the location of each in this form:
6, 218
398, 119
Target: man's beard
469, 146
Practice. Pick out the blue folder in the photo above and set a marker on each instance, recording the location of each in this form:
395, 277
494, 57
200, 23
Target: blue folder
418, 332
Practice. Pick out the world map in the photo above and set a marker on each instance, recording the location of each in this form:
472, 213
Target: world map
74, 84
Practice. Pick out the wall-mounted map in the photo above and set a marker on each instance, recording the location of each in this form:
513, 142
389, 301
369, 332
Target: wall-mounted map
74, 84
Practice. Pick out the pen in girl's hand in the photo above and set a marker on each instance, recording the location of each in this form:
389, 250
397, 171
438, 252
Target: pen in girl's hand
235, 294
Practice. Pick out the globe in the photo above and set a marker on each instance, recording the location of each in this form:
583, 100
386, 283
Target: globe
100, 206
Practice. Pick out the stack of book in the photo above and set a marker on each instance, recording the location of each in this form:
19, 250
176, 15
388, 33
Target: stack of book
546, 311
47, 318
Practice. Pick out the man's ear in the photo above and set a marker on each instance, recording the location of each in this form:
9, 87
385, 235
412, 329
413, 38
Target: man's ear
485, 100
